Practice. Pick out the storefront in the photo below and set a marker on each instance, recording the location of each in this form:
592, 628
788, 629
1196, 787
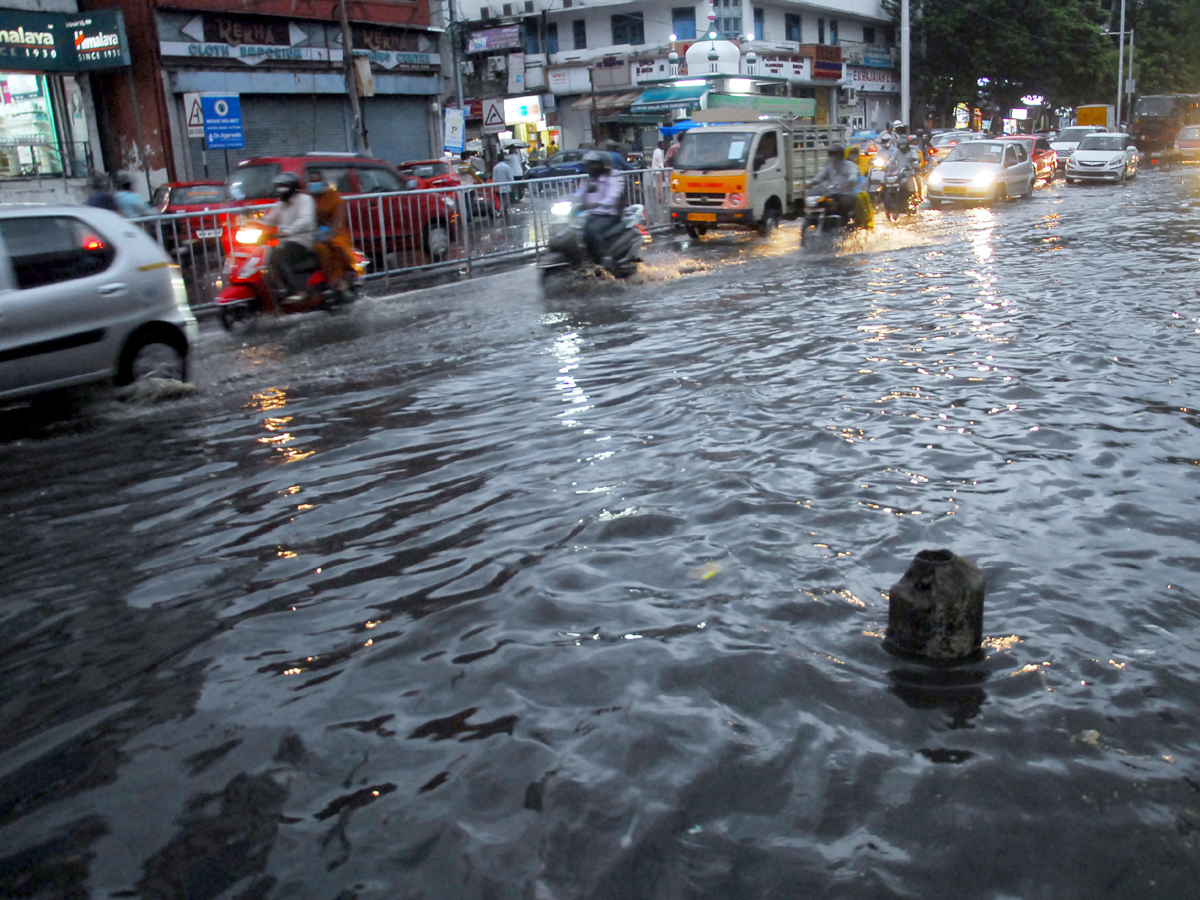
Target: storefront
878, 95
47, 119
287, 74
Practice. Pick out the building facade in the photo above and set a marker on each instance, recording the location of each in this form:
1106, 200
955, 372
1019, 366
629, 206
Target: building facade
591, 60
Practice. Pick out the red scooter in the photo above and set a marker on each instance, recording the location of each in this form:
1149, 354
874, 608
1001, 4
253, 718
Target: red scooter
248, 290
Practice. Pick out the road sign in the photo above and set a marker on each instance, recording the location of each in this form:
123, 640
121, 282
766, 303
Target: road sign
222, 121
194, 115
455, 129
493, 116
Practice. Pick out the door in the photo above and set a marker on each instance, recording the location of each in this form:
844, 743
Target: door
1012, 170
62, 313
767, 175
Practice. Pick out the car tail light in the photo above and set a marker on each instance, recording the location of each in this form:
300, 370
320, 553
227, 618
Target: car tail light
91, 242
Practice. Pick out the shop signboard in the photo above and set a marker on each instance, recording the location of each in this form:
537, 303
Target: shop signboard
522, 110
62, 42
222, 121
506, 38
875, 80
455, 129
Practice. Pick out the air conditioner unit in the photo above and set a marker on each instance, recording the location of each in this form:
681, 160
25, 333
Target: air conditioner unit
467, 67
497, 64
850, 96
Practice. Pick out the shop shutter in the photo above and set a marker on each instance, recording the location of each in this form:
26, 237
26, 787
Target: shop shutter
398, 127
282, 125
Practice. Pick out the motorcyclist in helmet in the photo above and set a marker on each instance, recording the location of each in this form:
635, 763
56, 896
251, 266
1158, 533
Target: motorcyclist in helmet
839, 181
601, 197
905, 156
294, 217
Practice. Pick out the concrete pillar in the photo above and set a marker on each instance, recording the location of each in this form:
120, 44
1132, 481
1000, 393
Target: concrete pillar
935, 612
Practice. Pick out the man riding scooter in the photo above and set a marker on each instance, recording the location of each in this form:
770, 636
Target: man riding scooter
838, 181
294, 218
602, 199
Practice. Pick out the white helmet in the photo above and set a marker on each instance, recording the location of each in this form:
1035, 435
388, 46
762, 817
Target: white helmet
897, 124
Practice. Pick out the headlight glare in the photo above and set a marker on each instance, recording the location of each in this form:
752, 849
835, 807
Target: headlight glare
562, 208
983, 179
248, 234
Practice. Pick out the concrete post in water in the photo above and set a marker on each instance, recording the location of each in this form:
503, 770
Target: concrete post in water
935, 612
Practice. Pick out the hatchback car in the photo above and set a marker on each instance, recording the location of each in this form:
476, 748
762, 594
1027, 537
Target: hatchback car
86, 295
432, 172
186, 237
1068, 139
983, 170
1187, 143
378, 225
1104, 157
1045, 160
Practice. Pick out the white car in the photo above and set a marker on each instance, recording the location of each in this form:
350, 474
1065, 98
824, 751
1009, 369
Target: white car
86, 295
1103, 157
983, 170
1068, 139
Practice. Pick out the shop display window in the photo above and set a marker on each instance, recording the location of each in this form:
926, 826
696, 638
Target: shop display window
28, 134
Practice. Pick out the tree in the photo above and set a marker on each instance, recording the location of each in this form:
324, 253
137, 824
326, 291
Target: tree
1166, 44
994, 52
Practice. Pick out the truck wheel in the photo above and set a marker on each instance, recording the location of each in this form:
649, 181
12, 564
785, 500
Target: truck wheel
695, 232
770, 222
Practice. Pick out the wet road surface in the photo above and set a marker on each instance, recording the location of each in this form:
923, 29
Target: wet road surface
490, 592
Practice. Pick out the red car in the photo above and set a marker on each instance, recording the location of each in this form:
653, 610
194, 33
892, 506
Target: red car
380, 226
432, 172
1043, 156
195, 198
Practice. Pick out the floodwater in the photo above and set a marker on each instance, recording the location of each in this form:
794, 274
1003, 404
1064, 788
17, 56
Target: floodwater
484, 592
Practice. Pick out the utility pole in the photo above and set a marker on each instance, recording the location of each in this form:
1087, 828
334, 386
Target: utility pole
1121, 65
906, 63
1131, 82
360, 129
454, 42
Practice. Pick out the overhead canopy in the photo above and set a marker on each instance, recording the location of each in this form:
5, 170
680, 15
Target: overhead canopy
606, 102
665, 99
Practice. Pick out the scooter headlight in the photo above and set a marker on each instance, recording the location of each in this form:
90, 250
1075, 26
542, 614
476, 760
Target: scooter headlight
249, 235
562, 208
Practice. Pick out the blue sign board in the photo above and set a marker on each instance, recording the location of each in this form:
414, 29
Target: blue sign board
222, 121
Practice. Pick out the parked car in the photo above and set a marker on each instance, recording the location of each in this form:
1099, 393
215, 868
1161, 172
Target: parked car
432, 172
983, 170
1187, 143
1068, 139
1104, 157
1045, 160
86, 295
379, 225
564, 162
186, 237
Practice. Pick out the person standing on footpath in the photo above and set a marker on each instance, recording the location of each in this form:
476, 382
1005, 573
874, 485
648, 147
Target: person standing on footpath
502, 176
658, 160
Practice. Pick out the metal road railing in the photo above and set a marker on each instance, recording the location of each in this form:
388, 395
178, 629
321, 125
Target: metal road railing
409, 233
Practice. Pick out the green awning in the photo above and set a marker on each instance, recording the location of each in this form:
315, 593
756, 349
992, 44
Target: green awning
665, 99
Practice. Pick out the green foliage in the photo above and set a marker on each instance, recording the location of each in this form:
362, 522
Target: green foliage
1166, 44
1048, 47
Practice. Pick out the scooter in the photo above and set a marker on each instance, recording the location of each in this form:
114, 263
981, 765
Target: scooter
901, 193
876, 176
247, 291
825, 214
568, 249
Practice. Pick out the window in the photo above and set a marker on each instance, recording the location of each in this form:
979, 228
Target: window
868, 34
579, 27
889, 35
485, 12
333, 176
551, 37
253, 182
768, 150
728, 23
791, 27
377, 181
628, 29
507, 9
567, 4
195, 195
759, 23
531, 38
1043, 146
1010, 155
49, 249
528, 6
820, 31
683, 22
833, 37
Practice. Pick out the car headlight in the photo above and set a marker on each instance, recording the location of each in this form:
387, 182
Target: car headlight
1117, 161
983, 179
935, 178
736, 199
678, 199
249, 234
562, 208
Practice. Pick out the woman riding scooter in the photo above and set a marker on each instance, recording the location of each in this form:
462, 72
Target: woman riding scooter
294, 218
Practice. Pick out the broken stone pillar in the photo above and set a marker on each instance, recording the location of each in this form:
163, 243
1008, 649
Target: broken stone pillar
935, 612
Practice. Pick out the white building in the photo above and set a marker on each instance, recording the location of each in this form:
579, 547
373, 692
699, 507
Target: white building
840, 53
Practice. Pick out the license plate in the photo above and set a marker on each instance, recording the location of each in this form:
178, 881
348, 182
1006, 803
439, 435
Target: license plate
954, 190
702, 217
209, 233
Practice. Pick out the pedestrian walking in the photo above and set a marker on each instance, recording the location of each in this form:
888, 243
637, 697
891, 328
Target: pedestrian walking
658, 160
129, 204
100, 196
502, 177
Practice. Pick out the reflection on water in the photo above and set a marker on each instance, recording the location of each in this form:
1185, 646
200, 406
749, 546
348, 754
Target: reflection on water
455, 649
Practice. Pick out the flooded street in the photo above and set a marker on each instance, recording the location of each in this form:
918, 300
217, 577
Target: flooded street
490, 592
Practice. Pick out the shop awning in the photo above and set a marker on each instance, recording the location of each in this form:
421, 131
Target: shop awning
606, 103
665, 99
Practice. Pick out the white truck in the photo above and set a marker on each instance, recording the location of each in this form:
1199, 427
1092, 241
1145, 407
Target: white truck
746, 172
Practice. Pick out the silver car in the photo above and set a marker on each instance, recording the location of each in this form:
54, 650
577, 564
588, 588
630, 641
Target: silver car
983, 170
86, 295
1104, 157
